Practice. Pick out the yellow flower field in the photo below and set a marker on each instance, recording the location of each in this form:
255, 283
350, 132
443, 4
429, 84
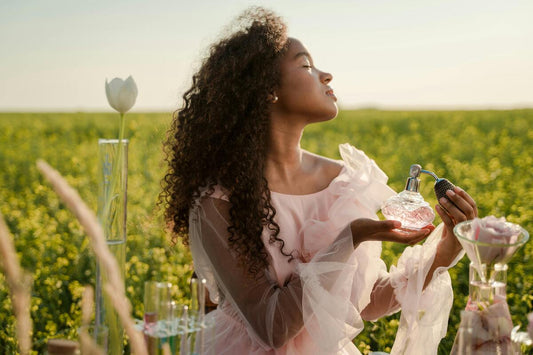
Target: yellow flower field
488, 153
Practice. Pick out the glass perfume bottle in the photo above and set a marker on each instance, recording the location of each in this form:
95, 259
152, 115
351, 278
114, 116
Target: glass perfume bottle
409, 207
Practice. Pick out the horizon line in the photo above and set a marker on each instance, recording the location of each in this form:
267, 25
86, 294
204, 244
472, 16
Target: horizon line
148, 109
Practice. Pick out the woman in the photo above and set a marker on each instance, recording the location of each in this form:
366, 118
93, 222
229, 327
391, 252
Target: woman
289, 241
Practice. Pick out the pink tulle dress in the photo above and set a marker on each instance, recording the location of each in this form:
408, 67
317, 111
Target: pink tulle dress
316, 303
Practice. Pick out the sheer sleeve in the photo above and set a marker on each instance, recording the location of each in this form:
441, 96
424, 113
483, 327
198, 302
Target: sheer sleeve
425, 311
403, 286
271, 312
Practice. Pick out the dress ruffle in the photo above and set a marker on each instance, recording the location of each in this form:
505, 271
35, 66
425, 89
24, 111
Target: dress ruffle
367, 179
335, 292
358, 191
425, 312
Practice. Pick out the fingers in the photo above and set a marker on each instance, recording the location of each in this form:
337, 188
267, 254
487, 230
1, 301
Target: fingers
453, 210
371, 226
387, 225
462, 204
468, 199
431, 227
410, 237
459, 205
364, 229
446, 219
419, 238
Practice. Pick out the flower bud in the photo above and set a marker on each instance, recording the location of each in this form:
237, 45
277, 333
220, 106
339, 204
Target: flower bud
121, 94
494, 230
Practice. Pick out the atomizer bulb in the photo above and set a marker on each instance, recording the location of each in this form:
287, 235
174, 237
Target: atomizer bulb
441, 186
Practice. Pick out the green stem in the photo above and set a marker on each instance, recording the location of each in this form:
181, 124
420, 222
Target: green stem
122, 128
114, 174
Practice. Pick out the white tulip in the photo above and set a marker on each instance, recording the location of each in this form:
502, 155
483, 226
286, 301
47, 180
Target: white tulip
121, 94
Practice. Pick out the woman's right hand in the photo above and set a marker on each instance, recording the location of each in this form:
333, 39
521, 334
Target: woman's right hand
366, 229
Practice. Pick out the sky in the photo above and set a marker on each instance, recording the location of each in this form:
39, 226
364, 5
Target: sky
55, 55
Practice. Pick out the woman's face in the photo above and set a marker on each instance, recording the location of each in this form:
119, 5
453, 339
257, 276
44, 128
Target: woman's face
304, 91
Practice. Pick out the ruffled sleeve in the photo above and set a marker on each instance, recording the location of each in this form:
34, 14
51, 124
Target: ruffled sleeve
425, 312
366, 176
335, 293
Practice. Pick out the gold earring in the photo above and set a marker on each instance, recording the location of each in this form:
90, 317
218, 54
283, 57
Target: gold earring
275, 99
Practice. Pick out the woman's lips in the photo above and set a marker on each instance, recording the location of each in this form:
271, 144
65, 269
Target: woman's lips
331, 94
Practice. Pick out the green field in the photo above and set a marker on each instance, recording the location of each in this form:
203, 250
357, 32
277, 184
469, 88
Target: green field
488, 153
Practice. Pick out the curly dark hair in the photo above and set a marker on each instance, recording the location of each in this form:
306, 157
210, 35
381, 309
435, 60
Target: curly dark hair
221, 136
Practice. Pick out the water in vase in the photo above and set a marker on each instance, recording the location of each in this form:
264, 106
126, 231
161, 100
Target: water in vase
107, 314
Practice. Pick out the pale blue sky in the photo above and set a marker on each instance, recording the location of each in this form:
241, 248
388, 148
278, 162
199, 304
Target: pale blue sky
56, 54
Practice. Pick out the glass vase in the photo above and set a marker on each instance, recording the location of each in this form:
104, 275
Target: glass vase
112, 214
486, 323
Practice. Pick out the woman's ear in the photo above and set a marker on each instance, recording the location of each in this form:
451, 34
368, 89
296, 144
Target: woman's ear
273, 98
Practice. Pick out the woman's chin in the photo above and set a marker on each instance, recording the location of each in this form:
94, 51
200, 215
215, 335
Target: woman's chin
325, 117
334, 112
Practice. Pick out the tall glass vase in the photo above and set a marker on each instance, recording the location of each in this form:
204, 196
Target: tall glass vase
486, 324
112, 214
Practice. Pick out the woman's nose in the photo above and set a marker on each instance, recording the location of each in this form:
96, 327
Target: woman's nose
325, 77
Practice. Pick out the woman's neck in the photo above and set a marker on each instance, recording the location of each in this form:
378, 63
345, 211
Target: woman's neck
285, 156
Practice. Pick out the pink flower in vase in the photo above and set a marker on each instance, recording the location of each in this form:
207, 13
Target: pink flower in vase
491, 230
495, 231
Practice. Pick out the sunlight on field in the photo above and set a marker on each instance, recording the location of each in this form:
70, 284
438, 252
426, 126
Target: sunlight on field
488, 153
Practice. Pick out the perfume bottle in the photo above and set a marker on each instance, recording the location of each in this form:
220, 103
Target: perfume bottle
409, 207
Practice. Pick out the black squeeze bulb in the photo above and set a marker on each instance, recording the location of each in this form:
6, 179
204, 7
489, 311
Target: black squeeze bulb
441, 186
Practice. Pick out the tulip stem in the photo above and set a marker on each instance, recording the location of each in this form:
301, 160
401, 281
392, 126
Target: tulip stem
122, 128
116, 166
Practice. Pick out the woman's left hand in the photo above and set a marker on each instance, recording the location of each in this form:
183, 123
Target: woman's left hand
464, 209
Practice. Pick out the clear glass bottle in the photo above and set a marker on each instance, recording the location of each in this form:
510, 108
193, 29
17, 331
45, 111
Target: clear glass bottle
464, 340
112, 215
409, 207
